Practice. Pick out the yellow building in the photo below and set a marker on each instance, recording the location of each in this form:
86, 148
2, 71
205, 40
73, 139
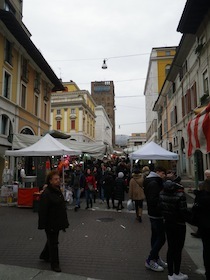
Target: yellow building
26, 80
159, 66
73, 113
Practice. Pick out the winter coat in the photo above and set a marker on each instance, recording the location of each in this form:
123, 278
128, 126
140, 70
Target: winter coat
136, 191
52, 210
120, 188
173, 203
108, 185
202, 209
90, 179
153, 185
78, 180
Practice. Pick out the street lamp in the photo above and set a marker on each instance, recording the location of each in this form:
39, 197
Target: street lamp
104, 66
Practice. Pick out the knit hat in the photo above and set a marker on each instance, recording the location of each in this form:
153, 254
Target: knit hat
120, 175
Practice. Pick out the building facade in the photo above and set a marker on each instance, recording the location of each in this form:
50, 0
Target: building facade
26, 80
136, 139
103, 93
159, 65
184, 102
73, 113
103, 127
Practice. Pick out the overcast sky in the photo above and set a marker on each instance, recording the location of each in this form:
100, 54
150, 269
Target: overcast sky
75, 36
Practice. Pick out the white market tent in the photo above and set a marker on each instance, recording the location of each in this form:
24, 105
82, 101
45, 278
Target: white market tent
152, 151
96, 150
46, 146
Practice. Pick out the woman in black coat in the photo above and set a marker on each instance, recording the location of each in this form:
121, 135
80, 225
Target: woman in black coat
52, 218
108, 187
120, 188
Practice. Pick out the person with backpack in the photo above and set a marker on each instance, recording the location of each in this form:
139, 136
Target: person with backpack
78, 185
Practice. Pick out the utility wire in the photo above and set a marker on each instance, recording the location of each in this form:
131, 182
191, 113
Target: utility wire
99, 58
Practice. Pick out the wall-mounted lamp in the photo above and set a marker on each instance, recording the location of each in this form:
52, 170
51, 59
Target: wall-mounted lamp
104, 66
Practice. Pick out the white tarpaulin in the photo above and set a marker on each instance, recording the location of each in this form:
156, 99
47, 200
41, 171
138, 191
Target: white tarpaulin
46, 146
152, 151
95, 150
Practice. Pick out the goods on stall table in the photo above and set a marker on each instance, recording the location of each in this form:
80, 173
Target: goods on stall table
9, 194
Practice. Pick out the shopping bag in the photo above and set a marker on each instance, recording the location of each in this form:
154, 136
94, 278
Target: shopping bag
130, 205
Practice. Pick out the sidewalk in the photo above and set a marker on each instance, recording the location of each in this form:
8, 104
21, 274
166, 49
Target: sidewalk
99, 244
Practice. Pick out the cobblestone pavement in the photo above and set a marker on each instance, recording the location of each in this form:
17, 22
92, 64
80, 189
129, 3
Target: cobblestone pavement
100, 244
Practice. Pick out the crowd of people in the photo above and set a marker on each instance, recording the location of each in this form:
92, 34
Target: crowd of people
166, 206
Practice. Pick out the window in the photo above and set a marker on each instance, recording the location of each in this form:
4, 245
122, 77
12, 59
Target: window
88, 128
193, 96
36, 105
24, 70
165, 125
23, 97
72, 124
58, 112
8, 7
173, 116
167, 68
205, 83
168, 53
46, 90
8, 52
58, 125
72, 111
7, 85
37, 82
4, 123
45, 112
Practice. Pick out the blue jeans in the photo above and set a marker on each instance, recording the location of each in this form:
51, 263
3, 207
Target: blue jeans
102, 193
157, 238
89, 197
77, 193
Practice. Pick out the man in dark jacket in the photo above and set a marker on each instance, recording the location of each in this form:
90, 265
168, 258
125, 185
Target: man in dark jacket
153, 185
202, 210
78, 185
174, 208
52, 218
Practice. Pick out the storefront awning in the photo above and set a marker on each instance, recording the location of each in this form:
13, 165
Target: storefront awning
198, 131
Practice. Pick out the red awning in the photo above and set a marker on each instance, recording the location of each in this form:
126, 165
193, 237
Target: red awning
198, 130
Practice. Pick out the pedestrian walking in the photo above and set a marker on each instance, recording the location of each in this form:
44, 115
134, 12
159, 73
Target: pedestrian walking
200, 188
153, 185
174, 209
78, 185
136, 192
52, 218
109, 187
90, 187
201, 214
119, 191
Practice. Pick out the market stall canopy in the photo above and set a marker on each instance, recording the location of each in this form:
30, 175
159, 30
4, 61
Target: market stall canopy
198, 131
96, 150
46, 146
132, 149
152, 151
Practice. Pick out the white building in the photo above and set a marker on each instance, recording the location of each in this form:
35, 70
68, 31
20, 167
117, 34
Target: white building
103, 126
